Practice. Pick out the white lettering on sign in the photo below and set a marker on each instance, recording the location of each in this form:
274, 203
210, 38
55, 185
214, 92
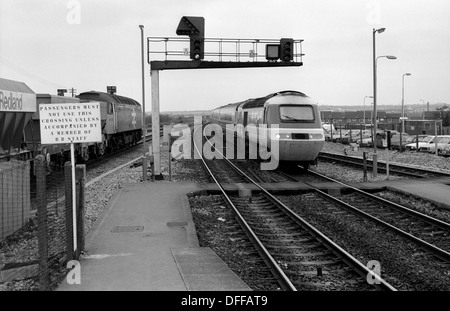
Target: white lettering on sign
70, 123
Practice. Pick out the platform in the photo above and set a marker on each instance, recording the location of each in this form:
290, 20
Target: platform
145, 240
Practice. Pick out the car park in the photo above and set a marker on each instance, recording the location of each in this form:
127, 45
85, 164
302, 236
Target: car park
366, 142
406, 139
329, 131
339, 135
423, 141
439, 142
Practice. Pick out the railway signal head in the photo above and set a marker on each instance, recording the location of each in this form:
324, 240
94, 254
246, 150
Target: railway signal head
197, 49
194, 27
191, 26
286, 49
272, 52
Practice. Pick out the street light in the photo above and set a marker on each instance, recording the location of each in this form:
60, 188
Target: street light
380, 30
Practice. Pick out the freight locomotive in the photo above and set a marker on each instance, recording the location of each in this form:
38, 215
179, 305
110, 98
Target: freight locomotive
299, 134
121, 124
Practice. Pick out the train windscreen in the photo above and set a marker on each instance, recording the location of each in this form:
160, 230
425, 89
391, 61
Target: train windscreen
296, 113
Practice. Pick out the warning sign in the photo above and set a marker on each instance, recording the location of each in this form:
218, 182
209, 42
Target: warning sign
70, 123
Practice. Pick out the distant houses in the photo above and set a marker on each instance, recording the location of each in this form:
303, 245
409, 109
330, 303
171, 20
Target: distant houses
417, 122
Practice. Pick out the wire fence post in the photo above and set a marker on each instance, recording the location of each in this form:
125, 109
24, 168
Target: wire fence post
68, 209
41, 193
81, 178
364, 166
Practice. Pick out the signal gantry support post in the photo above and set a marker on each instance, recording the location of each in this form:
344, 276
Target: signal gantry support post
155, 124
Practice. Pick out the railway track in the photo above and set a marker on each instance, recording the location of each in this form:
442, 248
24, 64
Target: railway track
381, 165
430, 234
299, 256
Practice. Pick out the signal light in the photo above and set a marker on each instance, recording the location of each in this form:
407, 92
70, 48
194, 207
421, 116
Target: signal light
197, 49
286, 49
194, 27
272, 51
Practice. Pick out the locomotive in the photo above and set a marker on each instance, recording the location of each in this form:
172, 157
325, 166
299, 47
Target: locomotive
121, 124
292, 119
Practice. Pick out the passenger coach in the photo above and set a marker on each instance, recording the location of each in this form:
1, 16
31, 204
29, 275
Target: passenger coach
300, 134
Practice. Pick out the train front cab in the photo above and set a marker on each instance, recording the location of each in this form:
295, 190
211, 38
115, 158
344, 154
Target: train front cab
300, 133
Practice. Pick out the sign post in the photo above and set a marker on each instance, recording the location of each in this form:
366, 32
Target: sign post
70, 123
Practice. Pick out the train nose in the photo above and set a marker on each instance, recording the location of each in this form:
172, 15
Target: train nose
300, 151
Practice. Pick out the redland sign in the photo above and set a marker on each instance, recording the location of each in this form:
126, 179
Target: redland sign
16, 96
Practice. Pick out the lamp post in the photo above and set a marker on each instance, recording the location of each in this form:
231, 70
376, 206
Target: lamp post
144, 127
375, 59
403, 109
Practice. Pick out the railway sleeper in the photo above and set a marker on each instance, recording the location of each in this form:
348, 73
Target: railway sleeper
307, 272
297, 255
317, 263
292, 246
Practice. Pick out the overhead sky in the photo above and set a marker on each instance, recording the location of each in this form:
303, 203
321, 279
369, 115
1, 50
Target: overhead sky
89, 44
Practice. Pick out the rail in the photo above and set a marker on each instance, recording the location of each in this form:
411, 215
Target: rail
360, 268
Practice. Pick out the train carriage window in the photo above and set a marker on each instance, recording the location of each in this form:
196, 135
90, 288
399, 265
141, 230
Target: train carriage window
110, 108
295, 113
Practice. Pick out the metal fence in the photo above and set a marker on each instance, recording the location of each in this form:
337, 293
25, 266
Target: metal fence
41, 243
14, 196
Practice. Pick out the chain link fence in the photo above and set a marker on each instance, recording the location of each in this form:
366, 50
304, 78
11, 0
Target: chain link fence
37, 223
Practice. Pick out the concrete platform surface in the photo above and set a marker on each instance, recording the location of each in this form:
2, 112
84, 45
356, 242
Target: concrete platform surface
145, 240
435, 190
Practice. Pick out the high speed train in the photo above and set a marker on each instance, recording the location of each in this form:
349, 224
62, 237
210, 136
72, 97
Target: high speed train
292, 119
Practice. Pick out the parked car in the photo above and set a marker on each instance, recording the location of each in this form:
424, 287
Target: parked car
406, 139
382, 138
424, 141
366, 142
367, 139
340, 134
445, 151
329, 130
352, 136
442, 141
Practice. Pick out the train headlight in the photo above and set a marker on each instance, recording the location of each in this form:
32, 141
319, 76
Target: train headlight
315, 136
283, 136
